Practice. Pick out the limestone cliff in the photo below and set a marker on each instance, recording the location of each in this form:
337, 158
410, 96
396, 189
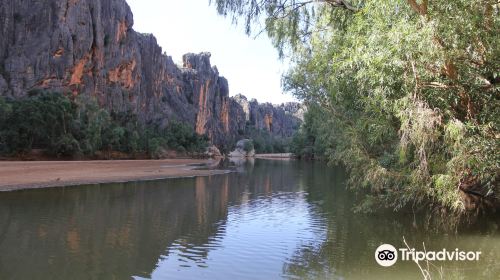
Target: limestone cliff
280, 120
88, 47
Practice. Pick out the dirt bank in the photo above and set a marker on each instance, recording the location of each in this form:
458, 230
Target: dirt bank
282, 156
15, 175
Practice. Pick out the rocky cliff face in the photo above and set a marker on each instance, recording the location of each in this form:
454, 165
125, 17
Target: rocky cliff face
88, 47
280, 120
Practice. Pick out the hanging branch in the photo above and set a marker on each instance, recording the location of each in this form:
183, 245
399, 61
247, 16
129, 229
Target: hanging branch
341, 4
421, 9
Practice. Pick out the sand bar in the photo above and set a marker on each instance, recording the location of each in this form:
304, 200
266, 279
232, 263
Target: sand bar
16, 175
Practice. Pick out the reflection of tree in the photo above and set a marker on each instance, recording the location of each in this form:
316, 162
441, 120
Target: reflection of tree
118, 230
346, 248
5, 220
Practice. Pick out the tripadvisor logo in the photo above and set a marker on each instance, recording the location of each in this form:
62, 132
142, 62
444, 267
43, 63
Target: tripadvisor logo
387, 255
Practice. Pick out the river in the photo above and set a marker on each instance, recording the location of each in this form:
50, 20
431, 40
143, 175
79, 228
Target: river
266, 220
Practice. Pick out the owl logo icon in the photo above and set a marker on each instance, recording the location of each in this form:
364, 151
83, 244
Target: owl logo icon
386, 255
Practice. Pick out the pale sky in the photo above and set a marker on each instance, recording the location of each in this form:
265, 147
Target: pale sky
251, 65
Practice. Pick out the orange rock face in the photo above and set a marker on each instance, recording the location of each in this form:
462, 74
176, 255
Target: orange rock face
122, 31
224, 115
76, 77
89, 48
203, 112
268, 121
124, 74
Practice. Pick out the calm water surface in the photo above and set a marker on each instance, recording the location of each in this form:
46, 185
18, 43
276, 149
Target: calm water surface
269, 220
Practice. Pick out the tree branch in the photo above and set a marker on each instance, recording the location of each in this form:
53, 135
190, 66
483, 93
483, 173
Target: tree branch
421, 9
341, 4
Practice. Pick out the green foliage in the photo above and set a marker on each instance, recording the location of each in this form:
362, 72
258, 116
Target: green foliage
408, 91
155, 146
289, 23
310, 141
248, 147
182, 137
175, 136
5, 111
65, 127
264, 142
35, 122
66, 146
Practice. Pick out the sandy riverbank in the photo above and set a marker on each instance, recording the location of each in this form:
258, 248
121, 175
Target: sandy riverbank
282, 156
16, 175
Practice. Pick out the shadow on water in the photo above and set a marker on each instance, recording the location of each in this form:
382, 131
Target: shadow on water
350, 239
267, 220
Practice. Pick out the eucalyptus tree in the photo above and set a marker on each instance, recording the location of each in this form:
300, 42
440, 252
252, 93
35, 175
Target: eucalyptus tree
408, 90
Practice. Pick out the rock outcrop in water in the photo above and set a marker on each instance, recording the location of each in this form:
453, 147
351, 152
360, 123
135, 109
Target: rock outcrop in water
88, 47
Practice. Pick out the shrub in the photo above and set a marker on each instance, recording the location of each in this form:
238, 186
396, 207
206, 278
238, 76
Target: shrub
66, 146
248, 146
67, 127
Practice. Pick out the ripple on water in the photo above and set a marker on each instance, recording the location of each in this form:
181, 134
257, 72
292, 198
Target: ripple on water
260, 235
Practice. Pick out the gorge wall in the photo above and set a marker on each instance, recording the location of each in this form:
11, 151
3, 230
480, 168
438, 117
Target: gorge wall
279, 120
88, 47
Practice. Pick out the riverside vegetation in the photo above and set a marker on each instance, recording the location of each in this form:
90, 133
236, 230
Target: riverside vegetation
67, 127
404, 93
79, 127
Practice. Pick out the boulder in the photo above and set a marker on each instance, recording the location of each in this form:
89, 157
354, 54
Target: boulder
244, 148
213, 152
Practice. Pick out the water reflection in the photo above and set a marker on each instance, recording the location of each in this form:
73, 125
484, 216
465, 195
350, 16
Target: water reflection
347, 251
272, 219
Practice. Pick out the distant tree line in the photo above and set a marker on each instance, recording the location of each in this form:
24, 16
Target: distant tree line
265, 143
66, 127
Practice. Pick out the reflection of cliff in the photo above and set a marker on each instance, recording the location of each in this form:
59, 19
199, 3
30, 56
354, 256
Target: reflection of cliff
136, 229
115, 231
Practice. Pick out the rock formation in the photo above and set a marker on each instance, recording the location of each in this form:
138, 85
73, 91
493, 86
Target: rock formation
243, 148
280, 120
88, 47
